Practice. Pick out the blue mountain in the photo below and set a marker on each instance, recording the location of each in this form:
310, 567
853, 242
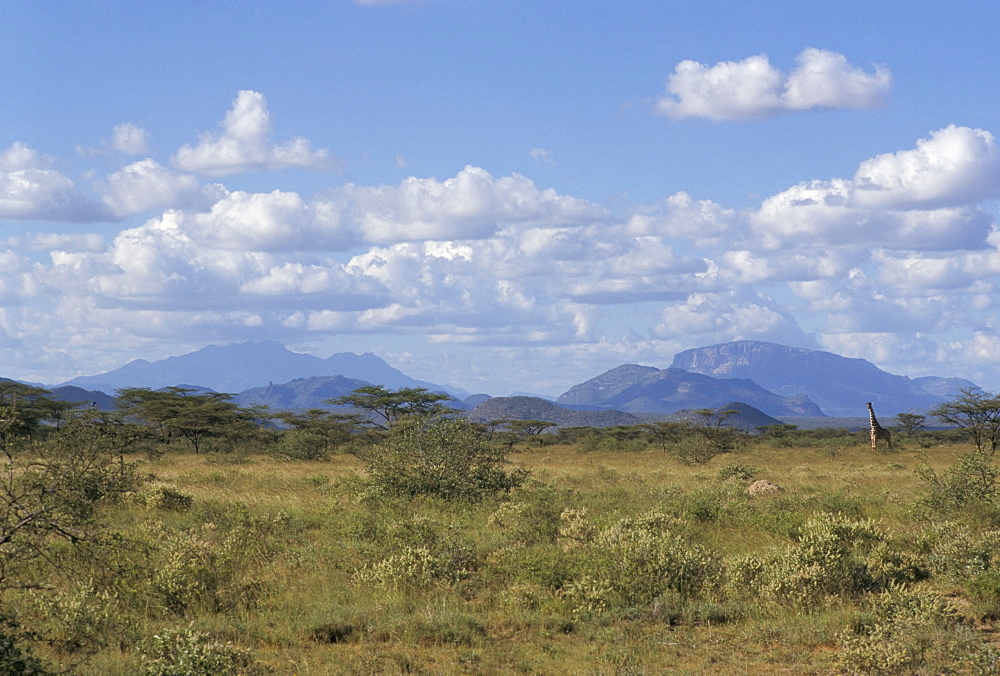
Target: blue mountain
241, 366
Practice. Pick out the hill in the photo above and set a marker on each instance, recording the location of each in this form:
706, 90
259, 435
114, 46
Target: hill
839, 385
645, 389
299, 394
536, 408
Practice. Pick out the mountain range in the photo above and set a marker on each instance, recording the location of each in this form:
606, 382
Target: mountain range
778, 380
241, 366
838, 385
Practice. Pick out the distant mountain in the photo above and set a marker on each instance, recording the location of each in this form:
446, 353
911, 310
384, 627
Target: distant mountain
300, 394
645, 389
536, 408
77, 395
839, 385
943, 387
472, 401
241, 366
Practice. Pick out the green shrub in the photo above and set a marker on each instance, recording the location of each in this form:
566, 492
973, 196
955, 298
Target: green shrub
737, 471
985, 588
648, 556
211, 567
158, 495
420, 566
834, 555
302, 444
974, 478
192, 653
954, 551
445, 458
82, 621
902, 630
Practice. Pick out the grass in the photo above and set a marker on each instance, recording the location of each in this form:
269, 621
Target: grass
287, 561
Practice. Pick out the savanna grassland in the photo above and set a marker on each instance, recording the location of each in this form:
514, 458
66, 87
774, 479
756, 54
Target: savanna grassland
582, 557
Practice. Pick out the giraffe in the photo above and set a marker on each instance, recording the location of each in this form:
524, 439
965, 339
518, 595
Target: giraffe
878, 432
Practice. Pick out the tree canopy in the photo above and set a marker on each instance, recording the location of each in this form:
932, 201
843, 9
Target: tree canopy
385, 407
195, 417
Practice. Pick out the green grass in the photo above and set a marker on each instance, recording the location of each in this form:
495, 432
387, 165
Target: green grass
289, 563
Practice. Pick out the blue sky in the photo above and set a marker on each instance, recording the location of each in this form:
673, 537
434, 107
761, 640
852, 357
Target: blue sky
499, 195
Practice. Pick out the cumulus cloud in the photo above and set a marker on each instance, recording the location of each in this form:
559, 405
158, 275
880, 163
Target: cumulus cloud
753, 88
245, 144
146, 185
721, 317
923, 198
471, 205
903, 247
955, 166
30, 190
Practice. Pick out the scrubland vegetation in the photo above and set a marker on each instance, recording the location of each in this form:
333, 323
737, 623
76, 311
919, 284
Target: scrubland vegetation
430, 545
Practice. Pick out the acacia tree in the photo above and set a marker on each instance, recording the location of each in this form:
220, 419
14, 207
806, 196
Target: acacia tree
911, 422
385, 407
976, 411
51, 497
445, 457
192, 416
27, 407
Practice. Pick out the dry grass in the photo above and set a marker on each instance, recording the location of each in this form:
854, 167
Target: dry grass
312, 615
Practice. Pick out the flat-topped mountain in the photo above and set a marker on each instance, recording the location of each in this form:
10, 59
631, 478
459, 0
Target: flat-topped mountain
645, 389
839, 385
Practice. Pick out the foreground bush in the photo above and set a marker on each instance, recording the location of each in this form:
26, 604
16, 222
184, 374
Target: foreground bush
444, 458
173, 652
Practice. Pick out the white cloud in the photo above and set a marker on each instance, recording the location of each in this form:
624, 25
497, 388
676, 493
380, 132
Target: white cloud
56, 241
753, 88
469, 206
146, 185
31, 191
955, 166
716, 318
542, 155
914, 199
130, 139
245, 144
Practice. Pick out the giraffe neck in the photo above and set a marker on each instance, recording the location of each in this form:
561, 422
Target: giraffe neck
871, 414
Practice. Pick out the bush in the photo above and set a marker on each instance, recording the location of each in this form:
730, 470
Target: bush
192, 653
954, 551
645, 557
445, 458
834, 555
421, 566
301, 444
975, 478
82, 621
737, 471
900, 632
162, 496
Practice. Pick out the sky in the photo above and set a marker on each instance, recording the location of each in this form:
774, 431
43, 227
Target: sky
499, 195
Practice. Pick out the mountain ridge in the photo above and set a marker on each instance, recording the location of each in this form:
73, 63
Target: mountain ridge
224, 368
838, 385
